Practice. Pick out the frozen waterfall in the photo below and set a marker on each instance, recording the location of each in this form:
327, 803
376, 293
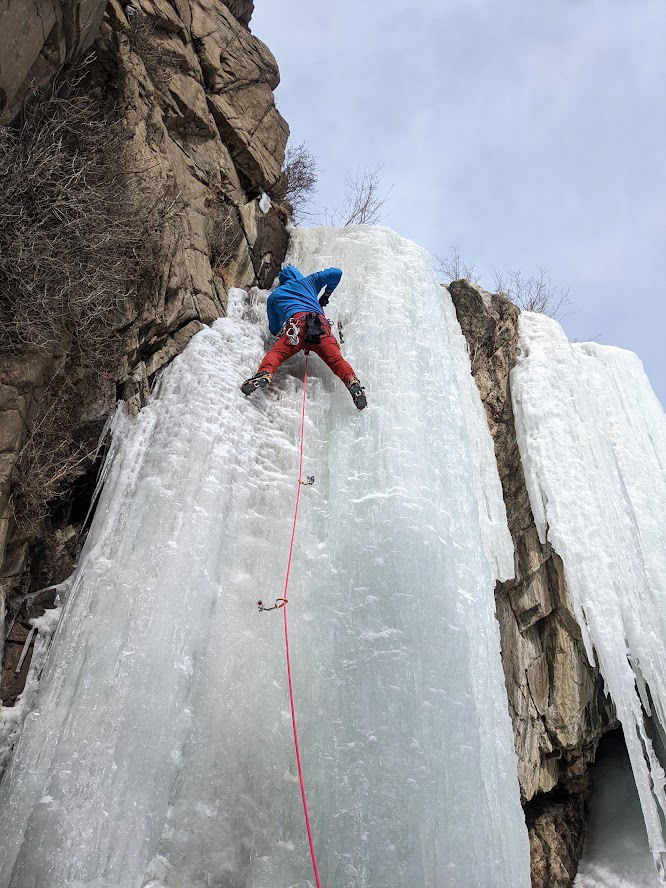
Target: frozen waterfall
592, 437
158, 752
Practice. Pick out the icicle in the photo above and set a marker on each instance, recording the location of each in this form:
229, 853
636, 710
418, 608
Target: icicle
592, 437
13, 717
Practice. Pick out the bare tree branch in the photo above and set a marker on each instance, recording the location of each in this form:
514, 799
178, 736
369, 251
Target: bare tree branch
363, 201
298, 182
73, 230
79, 235
535, 293
453, 268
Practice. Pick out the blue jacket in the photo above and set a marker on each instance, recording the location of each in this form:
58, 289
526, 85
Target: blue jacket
297, 293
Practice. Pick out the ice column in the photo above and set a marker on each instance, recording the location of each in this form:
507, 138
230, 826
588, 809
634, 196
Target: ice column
159, 752
592, 437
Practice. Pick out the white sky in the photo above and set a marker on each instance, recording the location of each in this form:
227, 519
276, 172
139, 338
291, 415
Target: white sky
527, 134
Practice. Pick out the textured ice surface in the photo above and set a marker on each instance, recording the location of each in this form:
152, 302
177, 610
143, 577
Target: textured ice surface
616, 853
159, 752
13, 717
592, 437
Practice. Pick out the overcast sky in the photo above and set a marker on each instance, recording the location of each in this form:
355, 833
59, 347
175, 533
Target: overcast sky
527, 134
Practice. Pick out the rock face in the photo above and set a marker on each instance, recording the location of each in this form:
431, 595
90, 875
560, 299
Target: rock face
194, 92
556, 825
198, 89
242, 9
556, 698
37, 40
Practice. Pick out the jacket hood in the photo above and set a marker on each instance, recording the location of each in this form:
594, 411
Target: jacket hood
289, 273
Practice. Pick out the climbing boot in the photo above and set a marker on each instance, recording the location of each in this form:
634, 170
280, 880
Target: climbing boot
259, 381
357, 392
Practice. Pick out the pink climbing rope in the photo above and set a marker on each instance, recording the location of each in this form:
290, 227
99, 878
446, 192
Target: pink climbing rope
297, 748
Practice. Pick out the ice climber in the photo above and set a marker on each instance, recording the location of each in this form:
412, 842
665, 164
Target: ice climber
295, 316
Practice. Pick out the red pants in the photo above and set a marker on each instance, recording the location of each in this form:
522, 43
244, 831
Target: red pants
328, 350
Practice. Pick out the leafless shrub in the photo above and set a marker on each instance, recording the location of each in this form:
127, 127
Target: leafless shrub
364, 200
453, 268
224, 234
144, 40
596, 337
72, 225
51, 457
298, 182
535, 293
76, 227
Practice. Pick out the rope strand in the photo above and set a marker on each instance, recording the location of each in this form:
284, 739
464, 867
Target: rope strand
292, 703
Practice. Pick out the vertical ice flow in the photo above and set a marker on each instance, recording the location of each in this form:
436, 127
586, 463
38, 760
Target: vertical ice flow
592, 437
159, 751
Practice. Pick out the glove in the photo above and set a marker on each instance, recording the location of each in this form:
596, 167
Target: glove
324, 298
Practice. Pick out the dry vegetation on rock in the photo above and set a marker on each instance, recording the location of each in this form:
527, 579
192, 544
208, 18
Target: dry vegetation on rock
70, 228
74, 228
529, 293
535, 293
364, 199
298, 183
362, 204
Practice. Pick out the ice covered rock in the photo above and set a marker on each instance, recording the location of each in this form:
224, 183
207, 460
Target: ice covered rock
592, 436
159, 750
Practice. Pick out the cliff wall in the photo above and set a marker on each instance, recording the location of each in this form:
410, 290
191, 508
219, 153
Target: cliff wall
192, 92
186, 92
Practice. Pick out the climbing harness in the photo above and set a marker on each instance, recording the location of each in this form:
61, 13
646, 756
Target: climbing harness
314, 328
281, 604
292, 332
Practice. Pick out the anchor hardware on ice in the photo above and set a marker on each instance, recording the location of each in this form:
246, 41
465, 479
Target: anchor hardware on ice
279, 602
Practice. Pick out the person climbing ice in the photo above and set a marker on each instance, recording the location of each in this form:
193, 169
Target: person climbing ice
295, 315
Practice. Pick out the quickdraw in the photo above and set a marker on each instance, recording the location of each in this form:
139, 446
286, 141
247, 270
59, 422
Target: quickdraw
279, 602
292, 332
